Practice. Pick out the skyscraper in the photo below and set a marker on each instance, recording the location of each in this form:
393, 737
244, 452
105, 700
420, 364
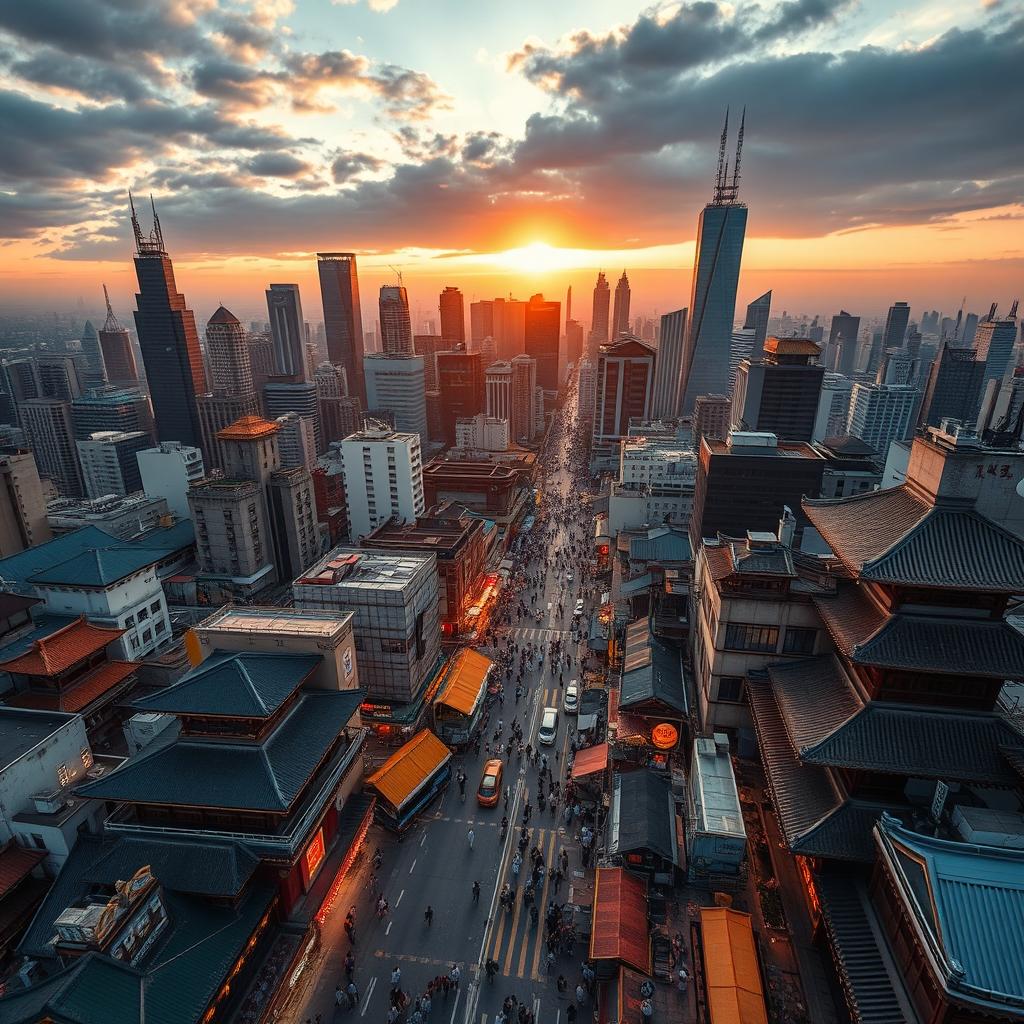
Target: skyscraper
954, 387
460, 379
48, 429
599, 317
625, 374
227, 351
168, 339
453, 315
756, 320
720, 233
395, 322
895, 326
116, 348
95, 372
620, 311
543, 324
522, 422
343, 321
881, 414
993, 341
842, 342
395, 382
284, 308
668, 365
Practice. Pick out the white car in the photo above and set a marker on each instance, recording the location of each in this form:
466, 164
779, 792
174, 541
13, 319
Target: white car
579, 606
548, 730
571, 700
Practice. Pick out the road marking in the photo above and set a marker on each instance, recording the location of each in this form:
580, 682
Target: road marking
387, 931
424, 839
366, 998
543, 903
399, 900
412, 866
455, 1005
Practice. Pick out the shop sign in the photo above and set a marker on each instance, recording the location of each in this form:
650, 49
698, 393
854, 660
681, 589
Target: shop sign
347, 663
664, 736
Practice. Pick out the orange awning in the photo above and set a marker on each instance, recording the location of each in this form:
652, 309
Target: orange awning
619, 930
464, 681
590, 760
405, 771
731, 970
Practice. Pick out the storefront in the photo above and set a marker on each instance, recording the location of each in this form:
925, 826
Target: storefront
460, 700
409, 779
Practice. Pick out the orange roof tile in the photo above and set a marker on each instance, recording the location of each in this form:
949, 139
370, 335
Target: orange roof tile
60, 650
619, 928
81, 695
590, 760
16, 864
406, 770
792, 346
731, 969
247, 428
464, 681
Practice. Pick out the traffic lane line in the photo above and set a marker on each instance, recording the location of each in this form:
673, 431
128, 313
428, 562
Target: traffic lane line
367, 997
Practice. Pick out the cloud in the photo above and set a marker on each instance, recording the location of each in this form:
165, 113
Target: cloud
347, 166
278, 165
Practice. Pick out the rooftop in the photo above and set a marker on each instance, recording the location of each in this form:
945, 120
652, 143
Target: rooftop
662, 544
106, 679
719, 801
97, 567
372, 570
248, 428
643, 815
277, 621
223, 316
791, 346
21, 730
60, 650
406, 770
651, 671
756, 554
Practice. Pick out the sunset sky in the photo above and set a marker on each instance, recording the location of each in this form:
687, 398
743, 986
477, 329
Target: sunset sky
884, 156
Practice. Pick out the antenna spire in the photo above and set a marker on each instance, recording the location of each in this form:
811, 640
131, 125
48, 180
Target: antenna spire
153, 245
739, 151
726, 190
720, 175
139, 240
111, 323
158, 234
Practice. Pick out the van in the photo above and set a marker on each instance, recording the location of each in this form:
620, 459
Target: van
548, 727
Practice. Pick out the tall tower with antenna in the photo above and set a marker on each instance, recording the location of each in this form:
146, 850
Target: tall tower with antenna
721, 230
168, 339
116, 346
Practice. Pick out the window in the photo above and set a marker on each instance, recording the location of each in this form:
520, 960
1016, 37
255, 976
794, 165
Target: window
161, 626
147, 636
730, 689
143, 614
63, 774
155, 607
743, 636
129, 622
86, 758
799, 640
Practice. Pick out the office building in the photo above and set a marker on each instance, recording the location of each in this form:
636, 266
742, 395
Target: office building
331, 380
668, 366
541, 340
453, 315
51, 436
109, 463
94, 372
168, 339
343, 321
169, 470
481, 432
395, 322
599, 320
111, 408
523, 419
897, 367
296, 441
427, 346
625, 373
383, 478
573, 342
228, 354
396, 382
882, 413
498, 391
779, 393
994, 340
620, 309
460, 379
22, 506
756, 320
261, 356
503, 321
587, 398
127, 517
217, 411
339, 417
59, 377
896, 322
394, 601
745, 482
720, 233
290, 394
712, 417
841, 353
287, 328
116, 349
954, 387
833, 407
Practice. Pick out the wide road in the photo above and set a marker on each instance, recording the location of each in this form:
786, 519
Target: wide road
434, 865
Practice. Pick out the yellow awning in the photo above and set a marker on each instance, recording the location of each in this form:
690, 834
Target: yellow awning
465, 681
405, 771
731, 969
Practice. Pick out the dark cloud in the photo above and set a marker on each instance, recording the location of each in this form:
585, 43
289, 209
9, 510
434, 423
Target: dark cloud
278, 165
347, 166
55, 70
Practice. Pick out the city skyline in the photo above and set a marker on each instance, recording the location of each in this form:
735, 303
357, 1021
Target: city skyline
540, 198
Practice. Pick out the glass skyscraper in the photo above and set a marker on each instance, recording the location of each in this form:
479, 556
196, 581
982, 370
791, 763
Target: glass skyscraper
343, 321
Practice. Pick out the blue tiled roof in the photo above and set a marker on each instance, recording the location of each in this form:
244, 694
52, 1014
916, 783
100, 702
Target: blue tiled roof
662, 545
168, 539
243, 776
97, 567
18, 568
249, 684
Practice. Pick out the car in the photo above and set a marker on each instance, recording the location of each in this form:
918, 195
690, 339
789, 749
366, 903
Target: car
548, 727
571, 700
489, 791
579, 606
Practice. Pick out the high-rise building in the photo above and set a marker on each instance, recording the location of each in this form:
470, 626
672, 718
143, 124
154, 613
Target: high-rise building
993, 341
287, 329
668, 366
343, 321
523, 421
383, 478
216, 412
51, 436
22, 505
841, 352
481, 321
498, 391
228, 354
542, 334
168, 339
481, 432
116, 349
427, 346
261, 357
460, 379
587, 398
109, 462
779, 392
111, 408
625, 379
339, 416
756, 320
711, 417
395, 381
331, 380
954, 387
720, 233
453, 315
290, 394
395, 322
22, 380
573, 342
833, 407
895, 326
169, 470
95, 373
504, 321
599, 323
881, 414
59, 377
620, 309
969, 329
296, 441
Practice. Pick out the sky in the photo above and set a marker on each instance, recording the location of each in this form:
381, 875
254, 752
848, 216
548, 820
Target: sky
513, 148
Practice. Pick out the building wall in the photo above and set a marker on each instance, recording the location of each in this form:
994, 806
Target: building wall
398, 383
23, 522
232, 529
168, 471
383, 478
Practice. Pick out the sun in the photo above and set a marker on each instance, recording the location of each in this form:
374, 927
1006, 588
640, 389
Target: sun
538, 258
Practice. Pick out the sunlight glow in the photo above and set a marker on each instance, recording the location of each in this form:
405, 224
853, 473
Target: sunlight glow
541, 258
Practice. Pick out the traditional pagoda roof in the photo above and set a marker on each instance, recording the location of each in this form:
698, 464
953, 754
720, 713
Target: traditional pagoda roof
248, 428
756, 554
106, 679
827, 723
97, 567
267, 776
247, 684
942, 644
651, 672
62, 649
893, 536
967, 903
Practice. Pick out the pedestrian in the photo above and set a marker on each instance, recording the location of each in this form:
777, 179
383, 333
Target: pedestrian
353, 995
570, 1014
425, 1006
454, 974
350, 964
339, 994
562, 983
683, 978
581, 994
476, 892
428, 915
471, 835
396, 978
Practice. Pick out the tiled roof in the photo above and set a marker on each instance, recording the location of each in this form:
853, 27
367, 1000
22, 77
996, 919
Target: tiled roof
85, 692
619, 928
166, 540
464, 680
652, 670
892, 536
405, 771
11, 604
248, 684
843, 834
827, 724
57, 652
243, 776
732, 967
97, 567
19, 567
642, 815
969, 900
16, 864
734, 555
247, 428
665, 545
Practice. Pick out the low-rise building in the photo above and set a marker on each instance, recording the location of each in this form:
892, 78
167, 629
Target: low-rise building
487, 433
126, 517
168, 470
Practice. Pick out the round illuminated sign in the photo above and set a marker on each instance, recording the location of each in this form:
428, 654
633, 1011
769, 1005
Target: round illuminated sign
664, 736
